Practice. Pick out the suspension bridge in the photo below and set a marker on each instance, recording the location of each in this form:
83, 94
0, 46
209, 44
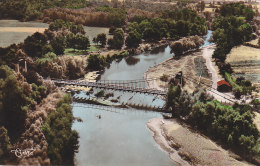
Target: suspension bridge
139, 86
134, 86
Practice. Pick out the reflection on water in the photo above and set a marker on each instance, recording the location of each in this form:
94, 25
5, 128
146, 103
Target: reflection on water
131, 60
123, 71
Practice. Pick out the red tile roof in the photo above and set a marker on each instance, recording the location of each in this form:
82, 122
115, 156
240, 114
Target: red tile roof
223, 82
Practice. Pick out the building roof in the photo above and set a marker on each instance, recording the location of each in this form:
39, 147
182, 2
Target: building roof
223, 82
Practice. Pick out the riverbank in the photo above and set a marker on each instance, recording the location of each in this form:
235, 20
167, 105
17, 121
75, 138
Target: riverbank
176, 138
33, 137
171, 67
179, 140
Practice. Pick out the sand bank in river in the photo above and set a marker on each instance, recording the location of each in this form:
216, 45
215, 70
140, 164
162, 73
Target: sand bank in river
178, 140
172, 66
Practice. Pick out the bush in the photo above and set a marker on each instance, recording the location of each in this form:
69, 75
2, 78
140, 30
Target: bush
185, 44
37, 45
100, 93
118, 39
133, 39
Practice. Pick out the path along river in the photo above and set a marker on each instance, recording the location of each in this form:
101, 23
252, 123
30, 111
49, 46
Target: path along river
121, 137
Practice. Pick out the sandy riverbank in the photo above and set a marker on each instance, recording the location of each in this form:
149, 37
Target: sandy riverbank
178, 140
172, 66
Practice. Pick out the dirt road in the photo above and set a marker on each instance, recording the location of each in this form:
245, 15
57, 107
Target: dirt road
207, 53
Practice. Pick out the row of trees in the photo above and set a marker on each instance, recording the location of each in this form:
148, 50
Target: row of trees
101, 39
170, 25
31, 10
232, 125
62, 140
66, 66
101, 16
17, 97
59, 36
229, 32
237, 9
185, 44
231, 29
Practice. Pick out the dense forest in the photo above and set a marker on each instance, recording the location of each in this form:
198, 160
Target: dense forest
30, 10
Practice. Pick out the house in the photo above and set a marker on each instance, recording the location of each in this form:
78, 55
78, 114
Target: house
224, 86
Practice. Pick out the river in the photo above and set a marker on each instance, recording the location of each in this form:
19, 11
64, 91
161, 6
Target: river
121, 137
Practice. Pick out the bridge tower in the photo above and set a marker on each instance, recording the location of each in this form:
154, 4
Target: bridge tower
177, 80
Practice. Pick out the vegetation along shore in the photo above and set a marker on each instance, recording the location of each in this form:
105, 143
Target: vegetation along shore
211, 110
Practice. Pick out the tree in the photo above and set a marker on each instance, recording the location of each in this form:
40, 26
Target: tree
201, 6
116, 17
133, 39
82, 42
96, 62
62, 140
173, 97
4, 144
36, 45
102, 39
151, 34
78, 41
58, 44
118, 39
247, 143
14, 102
61, 24
95, 40
177, 48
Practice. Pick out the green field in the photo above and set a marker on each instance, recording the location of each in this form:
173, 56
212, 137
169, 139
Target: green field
73, 52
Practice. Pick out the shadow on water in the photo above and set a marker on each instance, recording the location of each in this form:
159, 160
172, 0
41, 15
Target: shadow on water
131, 60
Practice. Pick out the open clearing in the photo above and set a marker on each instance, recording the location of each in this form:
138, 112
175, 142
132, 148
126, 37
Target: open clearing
245, 61
172, 66
13, 31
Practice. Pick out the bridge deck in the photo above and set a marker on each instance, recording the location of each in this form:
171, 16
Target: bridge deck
112, 86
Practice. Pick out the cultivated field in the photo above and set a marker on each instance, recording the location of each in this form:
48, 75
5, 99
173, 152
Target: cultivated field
245, 61
13, 31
